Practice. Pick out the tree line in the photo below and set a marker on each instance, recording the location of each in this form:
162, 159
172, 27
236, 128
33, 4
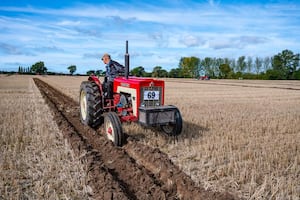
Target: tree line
40, 68
283, 66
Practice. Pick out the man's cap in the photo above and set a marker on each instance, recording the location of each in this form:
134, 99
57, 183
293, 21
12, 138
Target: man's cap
105, 55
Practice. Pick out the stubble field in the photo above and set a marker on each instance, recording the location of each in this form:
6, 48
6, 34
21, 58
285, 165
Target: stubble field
36, 162
239, 136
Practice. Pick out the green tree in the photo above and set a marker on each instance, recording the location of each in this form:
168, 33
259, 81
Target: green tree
189, 66
272, 74
39, 68
227, 61
147, 74
225, 71
163, 73
175, 73
72, 69
258, 64
90, 72
207, 63
156, 71
99, 73
217, 63
233, 65
241, 64
266, 63
286, 64
297, 75
249, 64
138, 71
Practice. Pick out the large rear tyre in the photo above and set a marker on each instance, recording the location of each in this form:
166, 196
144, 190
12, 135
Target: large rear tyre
90, 104
113, 128
173, 129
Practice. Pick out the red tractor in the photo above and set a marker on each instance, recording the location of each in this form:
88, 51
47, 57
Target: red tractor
134, 99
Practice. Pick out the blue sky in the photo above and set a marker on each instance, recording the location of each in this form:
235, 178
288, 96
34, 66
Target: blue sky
63, 33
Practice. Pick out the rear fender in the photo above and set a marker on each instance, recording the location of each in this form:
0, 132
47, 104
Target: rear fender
95, 79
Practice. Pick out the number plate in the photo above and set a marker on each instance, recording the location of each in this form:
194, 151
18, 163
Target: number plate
151, 95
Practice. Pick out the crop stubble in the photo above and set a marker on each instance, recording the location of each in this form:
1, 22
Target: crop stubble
36, 162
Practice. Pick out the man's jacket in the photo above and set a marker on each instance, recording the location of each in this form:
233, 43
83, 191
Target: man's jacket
113, 69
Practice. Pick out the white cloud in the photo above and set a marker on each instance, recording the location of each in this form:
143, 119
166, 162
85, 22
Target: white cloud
236, 42
157, 35
191, 41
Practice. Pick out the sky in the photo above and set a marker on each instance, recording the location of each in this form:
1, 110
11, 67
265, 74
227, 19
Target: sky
62, 32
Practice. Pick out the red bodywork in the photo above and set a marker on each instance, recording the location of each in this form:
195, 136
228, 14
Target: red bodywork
203, 78
120, 84
96, 80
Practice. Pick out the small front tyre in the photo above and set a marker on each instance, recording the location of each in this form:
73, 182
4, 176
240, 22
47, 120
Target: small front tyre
173, 129
113, 128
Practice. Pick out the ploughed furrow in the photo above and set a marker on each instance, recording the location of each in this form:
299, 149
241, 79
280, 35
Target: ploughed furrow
164, 169
114, 174
135, 171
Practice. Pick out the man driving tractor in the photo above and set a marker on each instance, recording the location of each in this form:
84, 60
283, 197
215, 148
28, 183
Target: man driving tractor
113, 69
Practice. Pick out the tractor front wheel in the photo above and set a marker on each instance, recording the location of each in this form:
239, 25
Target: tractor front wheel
113, 128
173, 129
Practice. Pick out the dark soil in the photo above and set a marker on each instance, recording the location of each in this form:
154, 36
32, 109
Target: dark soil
135, 171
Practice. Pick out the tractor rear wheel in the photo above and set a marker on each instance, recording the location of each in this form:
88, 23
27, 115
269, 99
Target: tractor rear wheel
173, 129
113, 128
90, 104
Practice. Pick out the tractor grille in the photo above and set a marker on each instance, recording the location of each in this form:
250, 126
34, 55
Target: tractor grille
151, 96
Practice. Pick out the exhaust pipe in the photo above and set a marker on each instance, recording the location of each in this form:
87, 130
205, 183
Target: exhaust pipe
126, 61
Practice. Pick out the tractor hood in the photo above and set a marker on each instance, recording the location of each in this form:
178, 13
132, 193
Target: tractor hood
137, 82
